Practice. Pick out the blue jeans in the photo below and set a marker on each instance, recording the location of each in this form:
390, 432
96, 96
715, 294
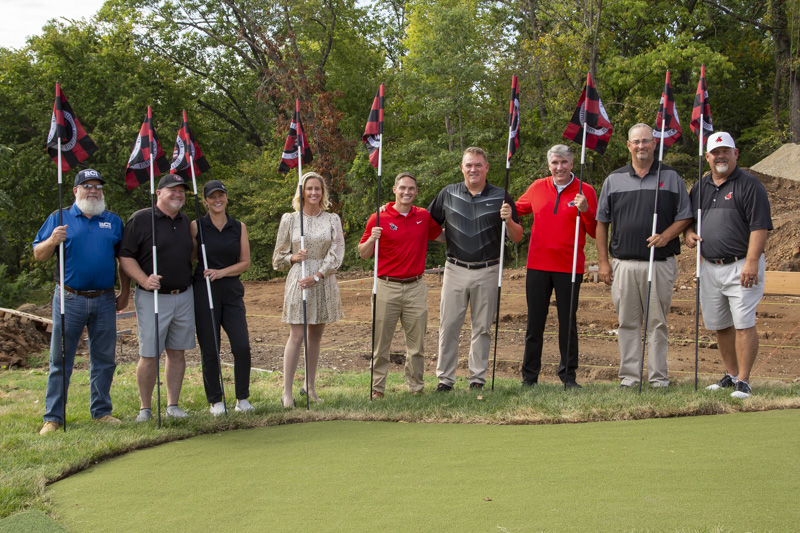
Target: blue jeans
99, 317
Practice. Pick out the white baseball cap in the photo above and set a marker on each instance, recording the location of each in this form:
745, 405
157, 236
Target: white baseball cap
720, 139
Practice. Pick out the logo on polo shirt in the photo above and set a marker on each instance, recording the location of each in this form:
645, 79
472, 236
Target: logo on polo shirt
729, 195
104, 225
392, 227
571, 204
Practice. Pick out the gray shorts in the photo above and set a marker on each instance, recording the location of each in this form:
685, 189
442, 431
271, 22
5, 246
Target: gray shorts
725, 302
175, 321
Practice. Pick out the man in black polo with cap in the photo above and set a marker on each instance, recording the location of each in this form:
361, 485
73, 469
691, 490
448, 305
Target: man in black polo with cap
173, 282
735, 222
91, 237
471, 212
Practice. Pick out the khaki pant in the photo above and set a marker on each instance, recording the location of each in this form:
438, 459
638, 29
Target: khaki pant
629, 294
407, 302
478, 289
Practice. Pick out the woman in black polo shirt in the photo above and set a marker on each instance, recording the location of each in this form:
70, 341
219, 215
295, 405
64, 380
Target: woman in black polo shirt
228, 254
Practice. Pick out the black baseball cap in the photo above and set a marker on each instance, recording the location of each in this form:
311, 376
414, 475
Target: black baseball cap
86, 175
172, 180
213, 185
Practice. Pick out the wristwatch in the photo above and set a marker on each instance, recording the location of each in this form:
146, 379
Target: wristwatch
316, 279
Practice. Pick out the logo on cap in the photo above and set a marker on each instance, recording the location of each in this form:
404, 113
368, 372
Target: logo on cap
91, 173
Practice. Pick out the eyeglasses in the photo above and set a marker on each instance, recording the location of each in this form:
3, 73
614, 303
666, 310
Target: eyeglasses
89, 187
641, 142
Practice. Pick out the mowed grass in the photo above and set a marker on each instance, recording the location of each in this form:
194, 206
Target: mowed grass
29, 462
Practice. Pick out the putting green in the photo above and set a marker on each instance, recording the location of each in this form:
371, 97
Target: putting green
736, 472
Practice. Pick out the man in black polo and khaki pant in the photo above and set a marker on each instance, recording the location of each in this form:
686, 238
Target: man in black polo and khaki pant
173, 282
470, 212
735, 221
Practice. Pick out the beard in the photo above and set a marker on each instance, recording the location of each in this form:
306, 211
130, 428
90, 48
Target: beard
91, 207
722, 167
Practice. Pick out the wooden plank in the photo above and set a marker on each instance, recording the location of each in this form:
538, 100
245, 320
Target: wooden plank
786, 283
14, 312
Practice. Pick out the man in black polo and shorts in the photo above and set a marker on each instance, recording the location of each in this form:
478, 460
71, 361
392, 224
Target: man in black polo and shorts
471, 214
735, 222
173, 282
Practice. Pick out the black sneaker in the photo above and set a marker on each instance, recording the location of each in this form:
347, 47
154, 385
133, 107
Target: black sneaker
572, 385
443, 388
742, 391
529, 384
725, 383
476, 385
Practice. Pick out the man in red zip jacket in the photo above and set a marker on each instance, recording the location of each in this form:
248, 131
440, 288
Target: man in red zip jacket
555, 202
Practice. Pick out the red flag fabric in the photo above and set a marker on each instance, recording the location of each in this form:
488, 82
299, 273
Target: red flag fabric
374, 129
702, 106
513, 118
138, 169
76, 145
591, 114
181, 155
668, 113
296, 138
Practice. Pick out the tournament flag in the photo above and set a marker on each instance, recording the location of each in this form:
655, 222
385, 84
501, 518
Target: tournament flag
181, 156
76, 145
668, 113
702, 106
590, 113
138, 169
513, 118
296, 138
374, 129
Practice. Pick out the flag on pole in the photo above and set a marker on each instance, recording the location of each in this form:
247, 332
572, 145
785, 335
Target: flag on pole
185, 146
513, 118
668, 113
591, 114
702, 106
374, 129
296, 138
138, 169
76, 145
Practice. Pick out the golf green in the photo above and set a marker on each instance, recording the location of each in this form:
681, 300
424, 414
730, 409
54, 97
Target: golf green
737, 472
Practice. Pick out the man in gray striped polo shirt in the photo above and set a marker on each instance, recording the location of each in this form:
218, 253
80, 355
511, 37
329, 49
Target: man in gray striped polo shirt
626, 204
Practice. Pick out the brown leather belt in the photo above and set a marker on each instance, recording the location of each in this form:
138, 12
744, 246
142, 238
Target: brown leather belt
401, 280
88, 294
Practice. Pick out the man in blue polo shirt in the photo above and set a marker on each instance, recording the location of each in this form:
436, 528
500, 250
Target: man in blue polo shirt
91, 237
735, 222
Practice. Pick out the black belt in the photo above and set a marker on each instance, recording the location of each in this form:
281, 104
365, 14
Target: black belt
89, 294
174, 291
473, 266
400, 280
724, 260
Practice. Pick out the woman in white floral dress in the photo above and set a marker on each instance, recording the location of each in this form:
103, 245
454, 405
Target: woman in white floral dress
323, 254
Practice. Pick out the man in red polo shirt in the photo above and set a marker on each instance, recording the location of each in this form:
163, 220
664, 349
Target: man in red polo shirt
401, 293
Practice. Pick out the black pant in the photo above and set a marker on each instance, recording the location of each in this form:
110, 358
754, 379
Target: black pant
229, 312
539, 285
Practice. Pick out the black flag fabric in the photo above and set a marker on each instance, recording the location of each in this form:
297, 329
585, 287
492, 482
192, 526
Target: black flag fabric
513, 118
186, 148
76, 145
296, 139
668, 113
138, 169
702, 106
374, 129
591, 114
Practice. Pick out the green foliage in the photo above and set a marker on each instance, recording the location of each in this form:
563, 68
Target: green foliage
14, 291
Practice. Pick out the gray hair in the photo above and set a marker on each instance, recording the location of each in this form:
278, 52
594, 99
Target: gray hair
560, 150
639, 125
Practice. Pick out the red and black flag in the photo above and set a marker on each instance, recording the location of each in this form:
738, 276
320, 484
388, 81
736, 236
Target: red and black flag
513, 118
296, 140
374, 129
668, 113
76, 145
591, 114
186, 149
138, 170
702, 106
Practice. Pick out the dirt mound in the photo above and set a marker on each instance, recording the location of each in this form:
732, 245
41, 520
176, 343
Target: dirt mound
782, 163
20, 335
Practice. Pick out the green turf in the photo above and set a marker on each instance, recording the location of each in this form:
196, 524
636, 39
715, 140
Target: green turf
735, 472
30, 522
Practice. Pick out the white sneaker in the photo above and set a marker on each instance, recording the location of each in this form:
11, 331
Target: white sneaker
217, 408
173, 411
243, 406
144, 415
